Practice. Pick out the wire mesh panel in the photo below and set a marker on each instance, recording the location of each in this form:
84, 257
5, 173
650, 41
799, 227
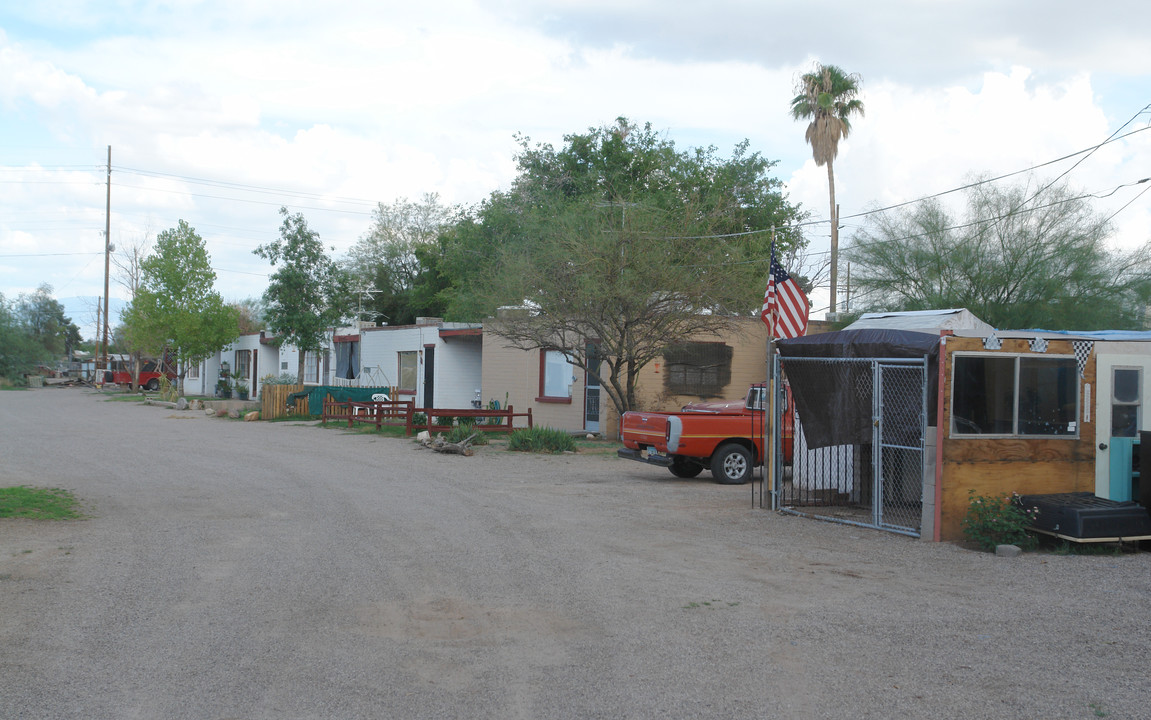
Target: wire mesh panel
902, 425
855, 428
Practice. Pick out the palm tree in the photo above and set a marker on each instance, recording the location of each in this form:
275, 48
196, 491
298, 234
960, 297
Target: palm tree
827, 97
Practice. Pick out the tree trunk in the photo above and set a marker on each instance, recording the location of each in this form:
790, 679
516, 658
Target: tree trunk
300, 367
834, 237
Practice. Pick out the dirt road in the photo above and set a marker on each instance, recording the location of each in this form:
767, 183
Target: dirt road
270, 570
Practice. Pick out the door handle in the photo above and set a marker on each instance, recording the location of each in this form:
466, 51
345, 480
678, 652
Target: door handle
1102, 446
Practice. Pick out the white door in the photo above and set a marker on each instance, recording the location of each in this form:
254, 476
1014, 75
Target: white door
1122, 396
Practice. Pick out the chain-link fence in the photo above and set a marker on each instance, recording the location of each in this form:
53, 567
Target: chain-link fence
856, 447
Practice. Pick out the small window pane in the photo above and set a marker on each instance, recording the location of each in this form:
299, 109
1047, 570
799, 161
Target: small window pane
1124, 420
983, 395
1126, 385
1048, 396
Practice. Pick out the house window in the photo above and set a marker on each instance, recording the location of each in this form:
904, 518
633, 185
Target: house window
1014, 395
1126, 396
312, 368
697, 368
348, 360
194, 371
556, 377
243, 364
408, 370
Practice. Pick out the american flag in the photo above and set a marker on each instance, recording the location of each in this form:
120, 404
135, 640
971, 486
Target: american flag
784, 304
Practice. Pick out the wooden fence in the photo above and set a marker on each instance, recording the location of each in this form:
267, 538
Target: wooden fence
274, 401
403, 412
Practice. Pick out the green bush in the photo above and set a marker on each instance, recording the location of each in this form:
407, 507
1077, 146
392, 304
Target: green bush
419, 419
281, 379
992, 521
444, 420
541, 439
461, 432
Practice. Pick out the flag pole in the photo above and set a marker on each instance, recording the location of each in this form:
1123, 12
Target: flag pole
769, 409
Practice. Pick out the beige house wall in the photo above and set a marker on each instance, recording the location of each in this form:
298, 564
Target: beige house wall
512, 376
517, 373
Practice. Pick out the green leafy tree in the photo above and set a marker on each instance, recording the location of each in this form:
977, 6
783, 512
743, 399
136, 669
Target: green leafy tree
19, 352
395, 264
176, 307
308, 293
42, 317
251, 314
1016, 258
617, 245
827, 97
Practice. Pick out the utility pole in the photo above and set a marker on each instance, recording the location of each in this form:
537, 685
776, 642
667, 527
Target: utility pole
833, 315
107, 253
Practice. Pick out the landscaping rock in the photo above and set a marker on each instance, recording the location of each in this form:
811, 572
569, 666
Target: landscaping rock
221, 412
209, 412
234, 414
254, 415
1008, 550
182, 404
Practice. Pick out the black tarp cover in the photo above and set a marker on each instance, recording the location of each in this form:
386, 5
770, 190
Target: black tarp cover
834, 400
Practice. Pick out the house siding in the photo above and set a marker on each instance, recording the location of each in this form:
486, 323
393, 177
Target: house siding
458, 361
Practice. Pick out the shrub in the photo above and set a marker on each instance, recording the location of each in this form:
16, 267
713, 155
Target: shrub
444, 420
992, 521
541, 439
461, 432
419, 419
281, 379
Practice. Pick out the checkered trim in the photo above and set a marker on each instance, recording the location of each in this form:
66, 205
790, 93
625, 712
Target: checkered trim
1082, 352
992, 343
1039, 345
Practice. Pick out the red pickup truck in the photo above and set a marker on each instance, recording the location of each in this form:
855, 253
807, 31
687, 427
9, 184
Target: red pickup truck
725, 437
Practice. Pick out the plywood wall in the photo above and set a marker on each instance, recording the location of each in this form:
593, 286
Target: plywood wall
1002, 466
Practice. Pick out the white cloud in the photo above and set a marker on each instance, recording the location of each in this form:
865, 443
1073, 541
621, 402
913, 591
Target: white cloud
371, 103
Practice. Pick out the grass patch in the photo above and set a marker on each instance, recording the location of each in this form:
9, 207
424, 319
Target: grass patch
37, 503
541, 439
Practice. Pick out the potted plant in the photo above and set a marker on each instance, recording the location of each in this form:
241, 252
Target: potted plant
241, 387
223, 388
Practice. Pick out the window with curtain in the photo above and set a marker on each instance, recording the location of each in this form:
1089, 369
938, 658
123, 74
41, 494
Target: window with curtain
348, 360
243, 369
408, 361
556, 376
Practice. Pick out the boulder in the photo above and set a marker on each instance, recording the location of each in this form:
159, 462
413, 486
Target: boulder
182, 404
254, 415
1008, 550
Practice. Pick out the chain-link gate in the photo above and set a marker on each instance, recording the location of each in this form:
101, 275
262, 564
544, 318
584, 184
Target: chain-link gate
861, 458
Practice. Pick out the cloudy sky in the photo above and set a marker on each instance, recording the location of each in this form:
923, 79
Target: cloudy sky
219, 112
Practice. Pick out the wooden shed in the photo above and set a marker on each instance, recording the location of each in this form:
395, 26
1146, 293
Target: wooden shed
1012, 412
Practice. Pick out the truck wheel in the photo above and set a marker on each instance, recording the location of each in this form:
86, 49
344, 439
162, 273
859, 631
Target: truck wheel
685, 468
731, 464
153, 384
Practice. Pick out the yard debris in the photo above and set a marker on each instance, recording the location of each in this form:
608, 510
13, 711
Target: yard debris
443, 446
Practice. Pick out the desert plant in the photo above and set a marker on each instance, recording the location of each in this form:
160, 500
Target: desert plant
463, 431
998, 520
541, 439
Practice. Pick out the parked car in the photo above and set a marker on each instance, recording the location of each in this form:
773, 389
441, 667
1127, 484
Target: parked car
725, 437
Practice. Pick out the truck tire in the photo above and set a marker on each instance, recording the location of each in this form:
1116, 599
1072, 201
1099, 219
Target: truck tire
685, 468
153, 384
731, 464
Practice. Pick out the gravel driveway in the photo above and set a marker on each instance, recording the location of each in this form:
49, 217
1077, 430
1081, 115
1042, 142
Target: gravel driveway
276, 570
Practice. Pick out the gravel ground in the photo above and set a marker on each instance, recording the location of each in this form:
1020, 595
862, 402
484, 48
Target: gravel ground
277, 570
